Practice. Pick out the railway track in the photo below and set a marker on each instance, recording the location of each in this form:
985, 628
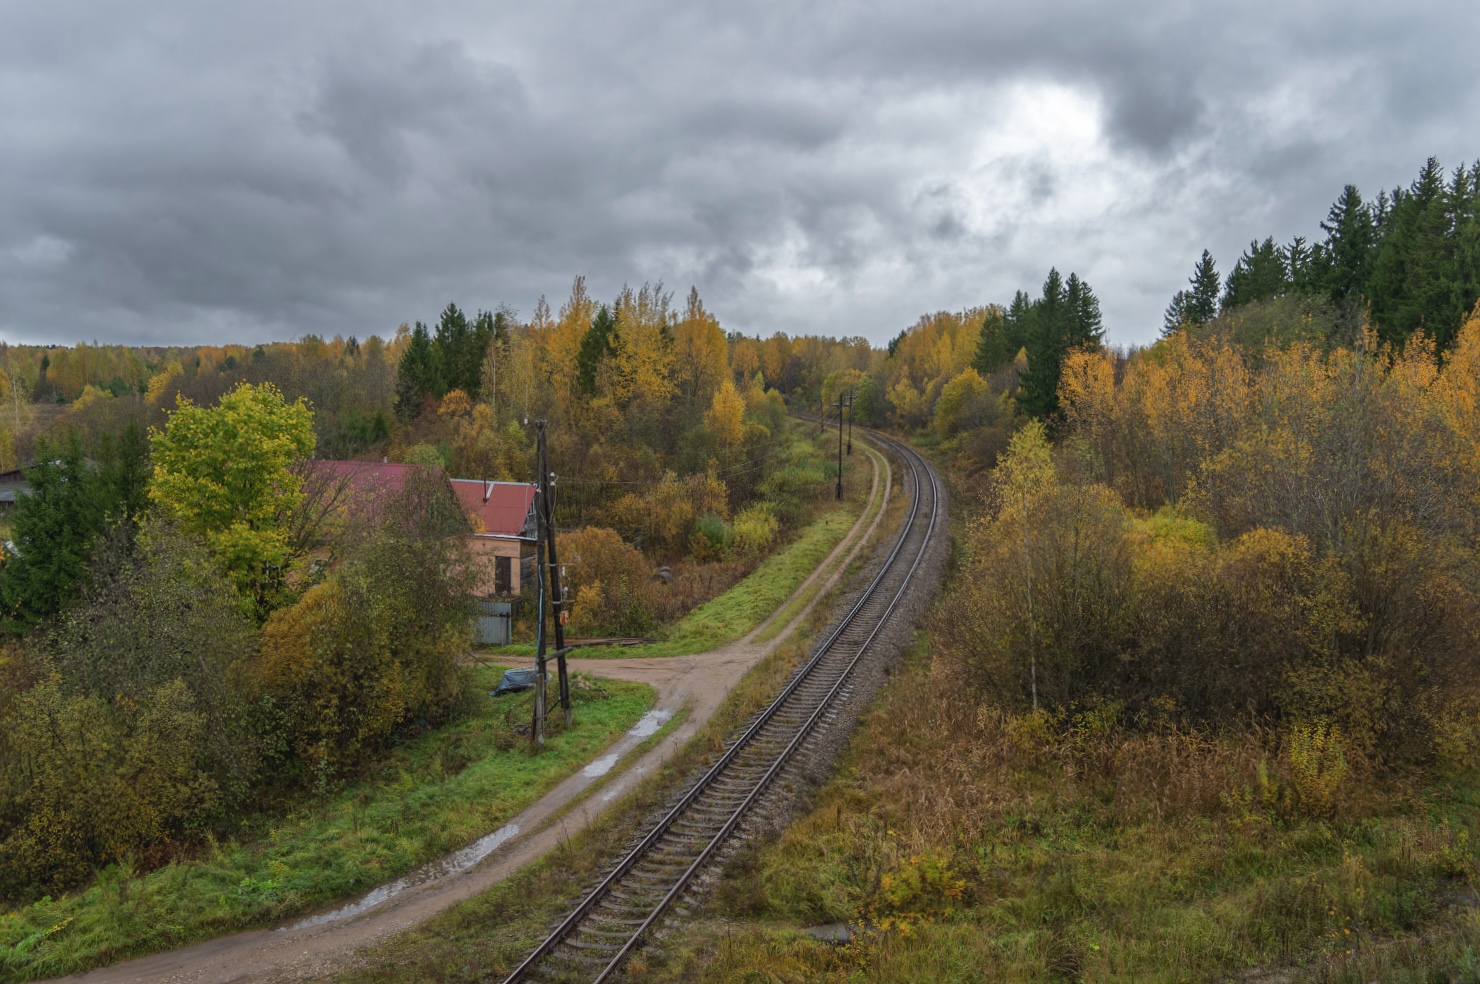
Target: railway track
645, 885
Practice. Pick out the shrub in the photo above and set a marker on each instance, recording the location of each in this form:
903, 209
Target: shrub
1317, 766
710, 539
610, 583
662, 517
92, 781
158, 612
754, 530
1362, 625
375, 646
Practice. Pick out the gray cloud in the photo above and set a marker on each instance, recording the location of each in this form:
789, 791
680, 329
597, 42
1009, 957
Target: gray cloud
183, 172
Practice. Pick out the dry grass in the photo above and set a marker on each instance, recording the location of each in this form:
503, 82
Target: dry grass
1084, 851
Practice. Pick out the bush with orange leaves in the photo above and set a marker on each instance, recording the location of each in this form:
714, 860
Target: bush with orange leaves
610, 581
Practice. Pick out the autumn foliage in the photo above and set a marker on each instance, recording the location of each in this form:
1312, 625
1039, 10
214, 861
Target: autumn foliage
1286, 536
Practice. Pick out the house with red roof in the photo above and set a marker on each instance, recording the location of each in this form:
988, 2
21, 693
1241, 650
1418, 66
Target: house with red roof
503, 519
501, 516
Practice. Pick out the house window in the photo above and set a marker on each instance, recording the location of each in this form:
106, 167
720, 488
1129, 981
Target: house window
503, 575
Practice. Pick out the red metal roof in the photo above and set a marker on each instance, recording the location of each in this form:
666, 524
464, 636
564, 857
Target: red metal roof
360, 488
499, 508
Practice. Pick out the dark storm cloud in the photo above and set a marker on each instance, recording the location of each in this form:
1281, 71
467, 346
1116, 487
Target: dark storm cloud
177, 171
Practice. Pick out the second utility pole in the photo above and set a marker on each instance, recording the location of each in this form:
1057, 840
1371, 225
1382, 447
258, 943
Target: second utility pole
850, 420
840, 447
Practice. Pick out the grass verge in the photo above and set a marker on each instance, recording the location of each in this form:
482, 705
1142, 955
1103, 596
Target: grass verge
796, 604
433, 794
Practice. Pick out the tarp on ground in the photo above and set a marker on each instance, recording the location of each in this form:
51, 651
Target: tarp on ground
514, 681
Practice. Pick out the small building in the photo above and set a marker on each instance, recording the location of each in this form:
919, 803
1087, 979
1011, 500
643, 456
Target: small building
503, 519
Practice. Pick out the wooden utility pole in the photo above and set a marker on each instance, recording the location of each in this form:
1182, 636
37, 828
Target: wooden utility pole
557, 593
547, 566
850, 420
840, 447
537, 730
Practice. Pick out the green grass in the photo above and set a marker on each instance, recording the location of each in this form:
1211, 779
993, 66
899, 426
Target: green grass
802, 600
433, 794
752, 601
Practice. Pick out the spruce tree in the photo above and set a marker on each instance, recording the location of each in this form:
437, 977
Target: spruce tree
1261, 274
419, 374
1083, 326
1202, 299
455, 343
54, 529
1413, 274
1176, 317
992, 348
1461, 276
1016, 322
1351, 241
597, 344
1046, 345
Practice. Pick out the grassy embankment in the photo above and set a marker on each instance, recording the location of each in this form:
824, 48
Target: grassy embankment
460, 943
431, 795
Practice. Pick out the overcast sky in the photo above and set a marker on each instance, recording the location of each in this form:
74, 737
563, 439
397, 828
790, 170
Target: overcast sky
173, 171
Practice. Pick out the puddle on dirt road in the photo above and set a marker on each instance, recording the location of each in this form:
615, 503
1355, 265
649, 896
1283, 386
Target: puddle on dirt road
649, 723
601, 766
454, 863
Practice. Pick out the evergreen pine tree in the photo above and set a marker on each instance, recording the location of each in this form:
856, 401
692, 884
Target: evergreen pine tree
1261, 274
502, 318
1202, 299
992, 348
1176, 316
1467, 247
1351, 241
1016, 322
455, 344
598, 343
54, 529
1464, 288
419, 374
1412, 274
1083, 326
480, 337
1046, 345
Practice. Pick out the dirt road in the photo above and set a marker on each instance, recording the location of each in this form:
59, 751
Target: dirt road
315, 944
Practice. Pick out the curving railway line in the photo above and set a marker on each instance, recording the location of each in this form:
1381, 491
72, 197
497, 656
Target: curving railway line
642, 889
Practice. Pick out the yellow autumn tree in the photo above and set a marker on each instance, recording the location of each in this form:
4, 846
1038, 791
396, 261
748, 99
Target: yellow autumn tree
959, 399
726, 416
161, 381
700, 356
643, 361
